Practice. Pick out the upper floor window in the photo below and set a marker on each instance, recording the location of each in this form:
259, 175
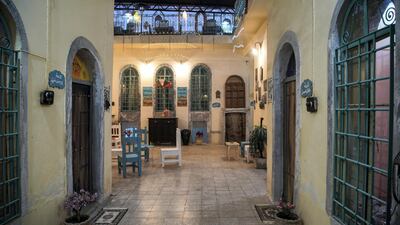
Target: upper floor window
169, 17
164, 88
130, 93
200, 89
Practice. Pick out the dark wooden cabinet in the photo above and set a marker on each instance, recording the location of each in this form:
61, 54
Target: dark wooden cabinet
162, 131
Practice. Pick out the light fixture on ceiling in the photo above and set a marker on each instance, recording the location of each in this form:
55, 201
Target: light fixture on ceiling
237, 46
184, 15
136, 17
257, 48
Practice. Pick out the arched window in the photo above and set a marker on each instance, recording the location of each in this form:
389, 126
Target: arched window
366, 16
200, 89
363, 109
164, 85
235, 92
130, 93
10, 200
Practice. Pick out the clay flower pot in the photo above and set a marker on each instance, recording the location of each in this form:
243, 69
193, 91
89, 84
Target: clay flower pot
72, 220
199, 140
290, 218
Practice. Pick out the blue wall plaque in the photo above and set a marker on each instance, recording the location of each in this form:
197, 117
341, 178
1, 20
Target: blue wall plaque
56, 79
216, 105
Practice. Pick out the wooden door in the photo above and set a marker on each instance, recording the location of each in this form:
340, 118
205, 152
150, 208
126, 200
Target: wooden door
289, 144
235, 92
235, 126
81, 137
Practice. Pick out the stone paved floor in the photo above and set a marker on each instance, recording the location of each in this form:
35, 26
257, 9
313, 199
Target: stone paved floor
206, 190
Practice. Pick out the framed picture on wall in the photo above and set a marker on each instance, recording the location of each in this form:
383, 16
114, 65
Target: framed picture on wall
147, 96
265, 85
270, 87
182, 96
256, 75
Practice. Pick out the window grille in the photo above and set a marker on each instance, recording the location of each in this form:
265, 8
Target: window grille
363, 131
200, 89
10, 190
130, 93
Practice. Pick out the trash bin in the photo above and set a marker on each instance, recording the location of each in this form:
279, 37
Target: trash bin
185, 134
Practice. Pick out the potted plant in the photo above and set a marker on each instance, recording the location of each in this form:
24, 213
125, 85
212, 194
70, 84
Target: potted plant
199, 137
258, 137
76, 202
185, 134
285, 213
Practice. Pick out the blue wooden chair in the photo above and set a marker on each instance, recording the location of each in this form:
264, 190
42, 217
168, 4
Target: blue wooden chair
131, 151
145, 144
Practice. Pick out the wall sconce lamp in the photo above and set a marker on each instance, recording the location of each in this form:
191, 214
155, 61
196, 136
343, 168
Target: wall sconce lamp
257, 48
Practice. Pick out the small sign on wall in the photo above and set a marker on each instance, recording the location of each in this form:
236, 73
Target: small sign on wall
216, 105
56, 79
147, 96
182, 96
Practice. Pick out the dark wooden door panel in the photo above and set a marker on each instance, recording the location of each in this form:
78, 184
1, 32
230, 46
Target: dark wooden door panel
235, 126
289, 139
81, 138
162, 131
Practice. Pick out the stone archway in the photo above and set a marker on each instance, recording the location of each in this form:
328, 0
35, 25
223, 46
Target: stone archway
93, 63
287, 46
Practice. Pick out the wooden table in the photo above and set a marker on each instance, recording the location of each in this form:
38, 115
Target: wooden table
229, 145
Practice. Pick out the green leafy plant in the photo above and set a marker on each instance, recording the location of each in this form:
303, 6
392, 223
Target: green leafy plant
258, 137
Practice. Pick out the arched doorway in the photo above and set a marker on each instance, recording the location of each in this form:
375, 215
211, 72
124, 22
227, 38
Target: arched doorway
289, 129
85, 116
287, 108
82, 150
361, 105
235, 116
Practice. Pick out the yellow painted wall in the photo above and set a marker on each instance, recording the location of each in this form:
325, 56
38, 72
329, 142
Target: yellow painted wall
222, 62
310, 20
51, 26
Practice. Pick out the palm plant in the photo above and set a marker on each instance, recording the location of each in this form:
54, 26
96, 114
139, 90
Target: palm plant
258, 137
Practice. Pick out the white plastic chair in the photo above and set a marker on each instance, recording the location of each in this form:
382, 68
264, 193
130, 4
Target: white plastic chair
116, 140
173, 155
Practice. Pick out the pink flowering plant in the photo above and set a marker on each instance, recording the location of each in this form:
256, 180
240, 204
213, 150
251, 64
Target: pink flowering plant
285, 208
77, 201
199, 134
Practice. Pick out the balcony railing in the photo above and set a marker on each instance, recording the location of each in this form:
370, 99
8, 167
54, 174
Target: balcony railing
136, 22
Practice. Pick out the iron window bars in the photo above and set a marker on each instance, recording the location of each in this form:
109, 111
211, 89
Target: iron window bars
164, 92
10, 188
200, 89
364, 129
130, 93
